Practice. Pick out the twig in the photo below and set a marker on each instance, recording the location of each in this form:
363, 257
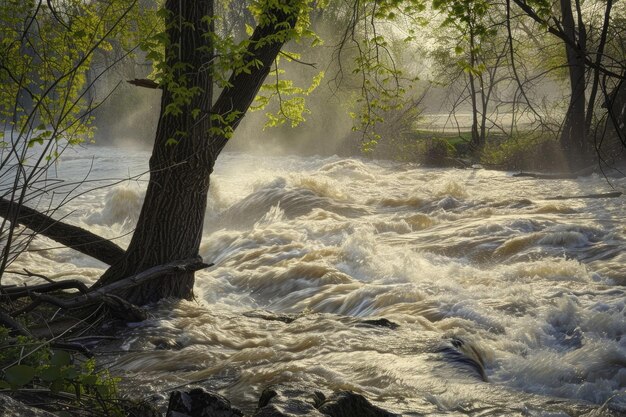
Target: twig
28, 273
14, 293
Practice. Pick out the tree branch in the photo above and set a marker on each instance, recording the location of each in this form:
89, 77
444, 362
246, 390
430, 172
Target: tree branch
264, 46
73, 237
97, 295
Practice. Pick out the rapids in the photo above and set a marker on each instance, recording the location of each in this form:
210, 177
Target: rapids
534, 287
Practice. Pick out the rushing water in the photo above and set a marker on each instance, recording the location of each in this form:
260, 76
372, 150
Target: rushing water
533, 286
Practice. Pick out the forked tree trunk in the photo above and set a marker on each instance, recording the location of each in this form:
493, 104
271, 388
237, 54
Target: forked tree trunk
170, 224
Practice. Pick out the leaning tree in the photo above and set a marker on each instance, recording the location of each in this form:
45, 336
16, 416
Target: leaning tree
191, 61
193, 129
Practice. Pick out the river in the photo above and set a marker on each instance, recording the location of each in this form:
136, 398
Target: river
534, 287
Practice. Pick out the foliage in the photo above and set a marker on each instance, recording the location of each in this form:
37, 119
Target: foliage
28, 364
523, 152
227, 56
291, 99
435, 151
46, 55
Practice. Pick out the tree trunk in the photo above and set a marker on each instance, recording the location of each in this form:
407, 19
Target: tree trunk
476, 137
596, 70
573, 139
172, 216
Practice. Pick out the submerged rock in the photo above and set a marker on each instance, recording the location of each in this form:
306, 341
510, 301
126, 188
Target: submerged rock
382, 322
200, 403
270, 316
289, 401
290, 318
463, 352
350, 404
163, 343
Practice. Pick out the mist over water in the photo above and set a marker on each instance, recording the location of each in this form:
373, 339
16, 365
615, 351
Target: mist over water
533, 287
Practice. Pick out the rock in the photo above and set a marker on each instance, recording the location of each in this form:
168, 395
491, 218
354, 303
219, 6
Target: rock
289, 401
200, 403
163, 343
297, 401
270, 316
382, 322
463, 352
350, 404
14, 408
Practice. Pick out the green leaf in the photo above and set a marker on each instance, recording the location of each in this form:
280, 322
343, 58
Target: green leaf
61, 358
69, 373
19, 375
38, 139
89, 379
57, 385
51, 373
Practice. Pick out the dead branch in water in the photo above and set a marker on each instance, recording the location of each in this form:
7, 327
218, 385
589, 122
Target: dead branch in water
602, 195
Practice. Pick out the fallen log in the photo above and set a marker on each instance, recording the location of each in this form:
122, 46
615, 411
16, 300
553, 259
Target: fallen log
602, 195
541, 176
559, 175
73, 237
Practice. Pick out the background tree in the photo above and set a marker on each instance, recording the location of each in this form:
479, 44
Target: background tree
585, 48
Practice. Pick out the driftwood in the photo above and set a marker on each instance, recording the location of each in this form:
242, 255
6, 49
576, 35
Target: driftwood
558, 176
73, 237
603, 195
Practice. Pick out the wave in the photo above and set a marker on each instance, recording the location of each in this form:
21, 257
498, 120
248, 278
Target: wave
121, 206
293, 202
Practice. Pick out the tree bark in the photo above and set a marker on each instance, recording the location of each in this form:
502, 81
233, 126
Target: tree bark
73, 237
172, 216
476, 137
573, 138
596, 71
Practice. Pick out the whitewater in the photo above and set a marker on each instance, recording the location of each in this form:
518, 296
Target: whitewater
308, 249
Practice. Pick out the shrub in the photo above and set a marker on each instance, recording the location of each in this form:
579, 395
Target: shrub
27, 364
527, 152
435, 152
